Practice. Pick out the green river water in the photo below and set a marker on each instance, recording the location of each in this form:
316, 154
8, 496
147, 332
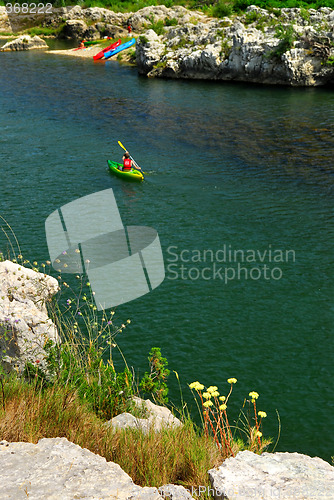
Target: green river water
230, 167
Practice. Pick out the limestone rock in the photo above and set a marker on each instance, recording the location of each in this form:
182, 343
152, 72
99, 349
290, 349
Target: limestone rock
143, 17
73, 13
57, 469
290, 476
5, 25
75, 28
92, 33
107, 29
24, 323
244, 49
94, 14
25, 42
174, 492
149, 50
157, 417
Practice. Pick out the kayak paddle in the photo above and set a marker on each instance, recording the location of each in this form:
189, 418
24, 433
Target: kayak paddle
136, 164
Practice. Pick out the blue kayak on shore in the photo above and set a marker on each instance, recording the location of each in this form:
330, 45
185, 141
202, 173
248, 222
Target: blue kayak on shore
121, 47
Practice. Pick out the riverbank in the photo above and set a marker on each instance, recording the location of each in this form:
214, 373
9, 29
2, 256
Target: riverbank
58, 412
126, 56
291, 47
87, 53
285, 47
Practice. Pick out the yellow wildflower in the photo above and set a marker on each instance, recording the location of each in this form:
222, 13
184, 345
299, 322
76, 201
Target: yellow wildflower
194, 385
212, 388
254, 395
222, 398
206, 395
223, 407
215, 394
262, 414
258, 434
232, 380
199, 387
207, 404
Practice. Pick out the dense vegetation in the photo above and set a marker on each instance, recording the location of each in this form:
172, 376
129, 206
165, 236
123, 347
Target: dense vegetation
218, 8
229, 5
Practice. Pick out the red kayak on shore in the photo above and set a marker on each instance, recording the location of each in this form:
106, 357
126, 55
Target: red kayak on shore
111, 47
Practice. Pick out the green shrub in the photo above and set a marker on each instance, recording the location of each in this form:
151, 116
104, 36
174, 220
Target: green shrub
43, 31
330, 61
95, 381
304, 14
182, 43
171, 21
222, 9
287, 37
157, 26
154, 382
252, 16
143, 39
225, 49
160, 65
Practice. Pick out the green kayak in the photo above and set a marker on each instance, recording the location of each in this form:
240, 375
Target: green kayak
130, 175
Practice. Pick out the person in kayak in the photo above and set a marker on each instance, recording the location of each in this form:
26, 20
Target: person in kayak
128, 164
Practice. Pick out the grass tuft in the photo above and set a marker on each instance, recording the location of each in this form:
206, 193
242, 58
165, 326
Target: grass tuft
182, 455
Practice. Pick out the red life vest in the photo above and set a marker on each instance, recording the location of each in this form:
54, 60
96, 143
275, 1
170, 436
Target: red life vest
127, 164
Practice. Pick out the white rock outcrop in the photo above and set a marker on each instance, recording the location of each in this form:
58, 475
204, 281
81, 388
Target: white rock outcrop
151, 50
75, 28
255, 47
25, 326
144, 16
289, 476
57, 469
157, 417
25, 42
174, 492
5, 25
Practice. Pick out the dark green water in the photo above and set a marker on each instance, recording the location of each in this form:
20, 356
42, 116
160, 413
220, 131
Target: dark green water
230, 166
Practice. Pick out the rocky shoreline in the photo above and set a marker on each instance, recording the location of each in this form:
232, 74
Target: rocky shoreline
292, 47
287, 47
